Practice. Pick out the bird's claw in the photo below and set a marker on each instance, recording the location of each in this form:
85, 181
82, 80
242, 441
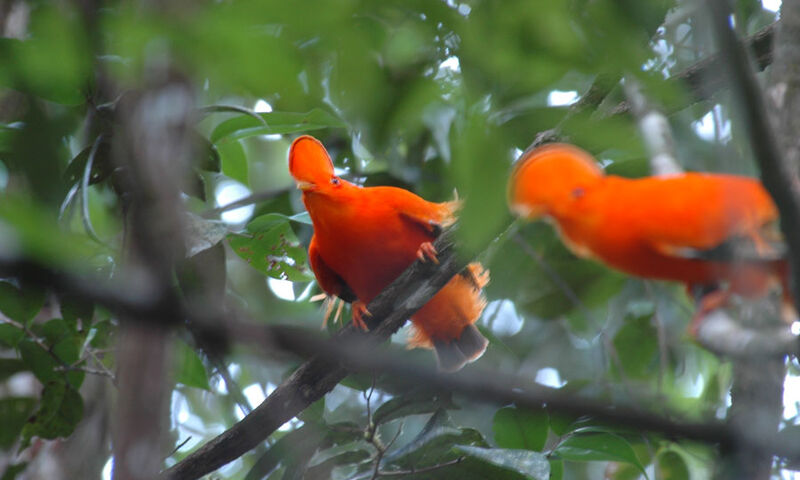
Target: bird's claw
710, 302
427, 252
359, 310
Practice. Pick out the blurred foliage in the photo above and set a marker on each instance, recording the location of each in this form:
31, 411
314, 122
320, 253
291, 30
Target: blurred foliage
433, 96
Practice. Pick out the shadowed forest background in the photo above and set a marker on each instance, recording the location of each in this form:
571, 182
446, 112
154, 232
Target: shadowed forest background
142, 315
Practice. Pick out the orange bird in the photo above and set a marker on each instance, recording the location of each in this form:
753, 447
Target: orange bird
712, 232
364, 237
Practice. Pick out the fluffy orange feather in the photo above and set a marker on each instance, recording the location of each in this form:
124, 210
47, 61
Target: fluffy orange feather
364, 237
709, 231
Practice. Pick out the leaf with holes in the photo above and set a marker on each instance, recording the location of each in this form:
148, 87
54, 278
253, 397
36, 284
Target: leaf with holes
274, 251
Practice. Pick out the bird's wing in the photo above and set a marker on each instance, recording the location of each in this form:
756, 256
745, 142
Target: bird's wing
328, 279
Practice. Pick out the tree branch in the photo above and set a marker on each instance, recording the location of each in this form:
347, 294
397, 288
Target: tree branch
316, 377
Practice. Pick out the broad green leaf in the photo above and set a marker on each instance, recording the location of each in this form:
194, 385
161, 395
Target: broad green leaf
202, 234
28, 229
10, 335
102, 165
20, 304
410, 404
190, 369
7, 132
275, 123
518, 428
556, 469
74, 309
296, 446
274, 251
60, 410
434, 443
64, 349
670, 465
526, 462
636, 345
10, 366
302, 217
322, 470
587, 447
14, 411
54, 60
13, 470
234, 160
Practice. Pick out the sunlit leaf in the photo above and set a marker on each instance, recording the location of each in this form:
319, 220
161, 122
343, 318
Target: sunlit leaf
189, 367
234, 160
272, 249
531, 464
274, 123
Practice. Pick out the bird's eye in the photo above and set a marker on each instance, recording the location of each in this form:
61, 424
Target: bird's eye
578, 192
335, 181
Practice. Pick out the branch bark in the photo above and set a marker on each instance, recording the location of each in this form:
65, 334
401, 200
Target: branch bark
320, 374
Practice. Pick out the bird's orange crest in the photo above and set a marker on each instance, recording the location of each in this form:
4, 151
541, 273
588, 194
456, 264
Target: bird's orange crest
309, 163
546, 176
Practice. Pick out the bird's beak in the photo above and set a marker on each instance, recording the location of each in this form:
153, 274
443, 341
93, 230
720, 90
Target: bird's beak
305, 186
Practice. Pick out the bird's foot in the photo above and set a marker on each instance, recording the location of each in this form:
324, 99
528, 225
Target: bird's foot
359, 310
710, 302
427, 252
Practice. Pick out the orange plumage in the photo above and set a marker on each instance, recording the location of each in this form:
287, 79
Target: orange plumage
365, 237
701, 229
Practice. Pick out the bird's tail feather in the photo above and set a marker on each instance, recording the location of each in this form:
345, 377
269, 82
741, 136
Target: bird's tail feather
452, 356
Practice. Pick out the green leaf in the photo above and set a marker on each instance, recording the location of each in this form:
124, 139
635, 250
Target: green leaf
434, 443
53, 62
102, 166
74, 309
14, 411
273, 251
556, 469
10, 335
10, 366
20, 304
637, 346
64, 349
302, 217
411, 404
322, 470
296, 446
234, 160
671, 465
35, 232
208, 158
276, 123
519, 428
7, 133
526, 462
60, 410
597, 447
202, 234
190, 369
13, 470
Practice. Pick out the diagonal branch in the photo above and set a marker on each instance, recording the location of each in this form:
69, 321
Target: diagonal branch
316, 377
